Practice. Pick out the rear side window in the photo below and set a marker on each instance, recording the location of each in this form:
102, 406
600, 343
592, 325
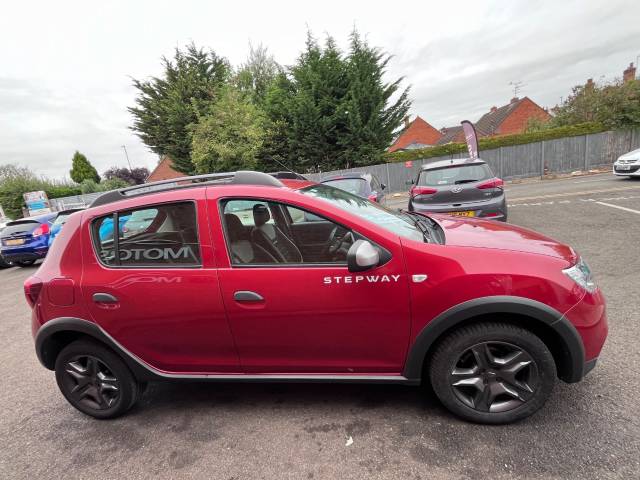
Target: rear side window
454, 175
157, 236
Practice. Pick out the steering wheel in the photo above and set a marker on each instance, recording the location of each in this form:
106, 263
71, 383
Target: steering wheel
335, 242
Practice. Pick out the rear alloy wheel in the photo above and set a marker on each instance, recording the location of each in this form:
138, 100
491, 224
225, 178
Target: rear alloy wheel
95, 380
492, 373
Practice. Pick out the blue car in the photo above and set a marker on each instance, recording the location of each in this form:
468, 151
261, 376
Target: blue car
60, 220
24, 241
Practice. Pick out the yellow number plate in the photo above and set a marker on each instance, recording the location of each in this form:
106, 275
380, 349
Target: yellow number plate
19, 241
463, 214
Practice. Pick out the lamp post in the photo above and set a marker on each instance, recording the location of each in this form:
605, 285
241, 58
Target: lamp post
127, 155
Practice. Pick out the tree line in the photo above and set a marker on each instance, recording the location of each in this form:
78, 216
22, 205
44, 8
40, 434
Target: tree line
330, 109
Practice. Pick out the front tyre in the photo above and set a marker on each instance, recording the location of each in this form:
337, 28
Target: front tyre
492, 373
95, 380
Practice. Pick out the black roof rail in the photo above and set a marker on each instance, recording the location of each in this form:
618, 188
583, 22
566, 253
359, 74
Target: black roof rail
241, 177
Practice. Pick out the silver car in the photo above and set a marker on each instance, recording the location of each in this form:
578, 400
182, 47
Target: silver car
628, 165
460, 187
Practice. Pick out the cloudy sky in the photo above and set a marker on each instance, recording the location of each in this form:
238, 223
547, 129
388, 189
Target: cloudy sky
66, 67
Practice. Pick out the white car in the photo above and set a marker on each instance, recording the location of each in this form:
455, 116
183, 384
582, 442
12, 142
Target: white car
628, 165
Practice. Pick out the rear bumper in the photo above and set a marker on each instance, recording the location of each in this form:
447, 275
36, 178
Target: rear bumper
24, 256
494, 209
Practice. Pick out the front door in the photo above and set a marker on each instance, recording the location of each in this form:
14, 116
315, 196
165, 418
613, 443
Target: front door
155, 289
310, 315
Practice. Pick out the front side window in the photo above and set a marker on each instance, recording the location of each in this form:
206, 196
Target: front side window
260, 232
390, 220
158, 236
357, 186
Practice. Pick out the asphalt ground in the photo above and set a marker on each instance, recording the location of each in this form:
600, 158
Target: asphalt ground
589, 430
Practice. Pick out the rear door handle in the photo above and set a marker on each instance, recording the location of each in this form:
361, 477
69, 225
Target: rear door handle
104, 298
247, 296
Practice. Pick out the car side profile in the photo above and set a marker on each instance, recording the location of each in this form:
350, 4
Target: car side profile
459, 187
24, 241
364, 185
246, 277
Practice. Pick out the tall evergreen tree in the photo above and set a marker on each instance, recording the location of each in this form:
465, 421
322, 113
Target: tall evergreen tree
81, 169
167, 105
370, 118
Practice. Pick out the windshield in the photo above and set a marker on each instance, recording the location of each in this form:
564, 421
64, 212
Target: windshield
357, 186
394, 222
454, 175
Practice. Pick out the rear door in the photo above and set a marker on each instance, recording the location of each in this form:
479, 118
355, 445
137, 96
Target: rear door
154, 287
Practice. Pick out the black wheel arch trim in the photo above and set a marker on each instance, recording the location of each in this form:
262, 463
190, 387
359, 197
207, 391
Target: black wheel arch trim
48, 344
572, 348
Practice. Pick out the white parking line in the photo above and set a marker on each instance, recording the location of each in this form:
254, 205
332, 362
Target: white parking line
592, 180
619, 207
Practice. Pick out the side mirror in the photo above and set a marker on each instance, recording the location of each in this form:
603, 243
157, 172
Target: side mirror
383, 186
362, 256
409, 182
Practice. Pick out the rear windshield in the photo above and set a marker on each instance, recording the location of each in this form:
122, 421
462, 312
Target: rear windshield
22, 227
357, 186
454, 175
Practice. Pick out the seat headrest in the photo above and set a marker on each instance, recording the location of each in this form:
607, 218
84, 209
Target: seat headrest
235, 229
261, 214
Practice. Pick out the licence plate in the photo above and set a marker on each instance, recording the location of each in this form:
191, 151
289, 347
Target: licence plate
624, 167
18, 241
470, 213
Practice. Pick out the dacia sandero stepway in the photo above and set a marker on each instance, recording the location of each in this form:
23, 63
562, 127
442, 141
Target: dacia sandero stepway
248, 277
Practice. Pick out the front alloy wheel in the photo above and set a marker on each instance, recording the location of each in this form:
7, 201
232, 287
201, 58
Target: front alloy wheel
494, 377
492, 372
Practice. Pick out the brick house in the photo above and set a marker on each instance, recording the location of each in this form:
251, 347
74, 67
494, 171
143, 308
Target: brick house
415, 134
164, 171
509, 119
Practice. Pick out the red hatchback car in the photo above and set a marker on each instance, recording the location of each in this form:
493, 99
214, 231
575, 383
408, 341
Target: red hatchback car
246, 277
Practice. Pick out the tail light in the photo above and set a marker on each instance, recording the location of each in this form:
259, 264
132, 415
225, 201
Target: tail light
41, 230
415, 191
493, 183
32, 289
491, 214
373, 197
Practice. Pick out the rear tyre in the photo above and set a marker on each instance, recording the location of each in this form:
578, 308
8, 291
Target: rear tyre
25, 263
95, 380
492, 373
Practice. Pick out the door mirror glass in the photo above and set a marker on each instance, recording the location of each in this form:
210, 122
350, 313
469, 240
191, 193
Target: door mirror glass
362, 256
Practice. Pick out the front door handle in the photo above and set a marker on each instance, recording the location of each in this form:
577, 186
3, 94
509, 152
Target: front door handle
104, 298
247, 296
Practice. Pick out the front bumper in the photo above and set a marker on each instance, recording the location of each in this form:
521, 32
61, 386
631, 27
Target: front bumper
633, 171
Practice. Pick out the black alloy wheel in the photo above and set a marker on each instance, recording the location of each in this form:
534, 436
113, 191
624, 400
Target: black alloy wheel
95, 380
492, 372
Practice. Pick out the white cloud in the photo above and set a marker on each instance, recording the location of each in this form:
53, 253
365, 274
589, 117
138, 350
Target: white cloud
66, 71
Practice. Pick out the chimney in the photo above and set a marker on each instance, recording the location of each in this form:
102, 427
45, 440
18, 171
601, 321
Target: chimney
494, 109
629, 74
514, 99
406, 121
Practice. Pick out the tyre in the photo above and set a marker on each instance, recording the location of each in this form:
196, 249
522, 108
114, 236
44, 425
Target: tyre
492, 373
95, 380
25, 263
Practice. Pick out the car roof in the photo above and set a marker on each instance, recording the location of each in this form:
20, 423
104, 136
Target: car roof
454, 162
342, 176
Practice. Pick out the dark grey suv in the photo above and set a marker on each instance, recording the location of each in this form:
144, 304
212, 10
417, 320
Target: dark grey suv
460, 187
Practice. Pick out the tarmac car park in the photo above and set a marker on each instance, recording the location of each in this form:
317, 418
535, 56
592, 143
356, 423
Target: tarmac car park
488, 314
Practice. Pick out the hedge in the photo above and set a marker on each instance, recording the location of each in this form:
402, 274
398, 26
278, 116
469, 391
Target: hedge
496, 142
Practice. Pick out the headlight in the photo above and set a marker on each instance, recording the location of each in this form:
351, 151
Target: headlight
581, 274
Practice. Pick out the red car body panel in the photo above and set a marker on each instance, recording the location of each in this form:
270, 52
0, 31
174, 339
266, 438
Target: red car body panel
186, 321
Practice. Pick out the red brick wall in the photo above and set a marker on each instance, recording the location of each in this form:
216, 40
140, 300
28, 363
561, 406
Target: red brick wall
419, 131
517, 121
